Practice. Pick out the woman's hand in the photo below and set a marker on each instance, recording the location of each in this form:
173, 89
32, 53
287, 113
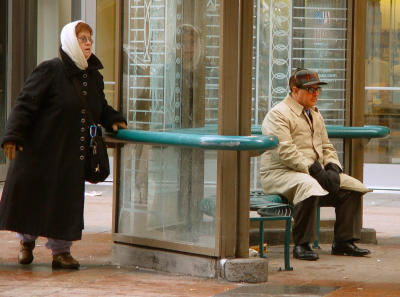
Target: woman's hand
10, 149
118, 125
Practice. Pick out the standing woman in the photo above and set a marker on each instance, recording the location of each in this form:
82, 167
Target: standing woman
46, 138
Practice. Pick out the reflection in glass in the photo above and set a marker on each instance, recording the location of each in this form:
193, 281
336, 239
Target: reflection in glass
158, 199
170, 82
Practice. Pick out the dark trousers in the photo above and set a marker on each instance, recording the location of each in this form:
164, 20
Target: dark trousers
348, 217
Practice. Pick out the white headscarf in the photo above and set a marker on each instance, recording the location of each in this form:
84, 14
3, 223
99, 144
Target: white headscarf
70, 45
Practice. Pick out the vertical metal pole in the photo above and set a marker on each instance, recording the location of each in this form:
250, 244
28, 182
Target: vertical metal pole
228, 124
358, 85
245, 94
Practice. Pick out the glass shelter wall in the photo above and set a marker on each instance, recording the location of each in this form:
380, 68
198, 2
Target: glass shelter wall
299, 34
170, 81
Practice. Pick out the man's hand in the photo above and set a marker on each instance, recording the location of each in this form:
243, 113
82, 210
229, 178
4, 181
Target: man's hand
10, 149
333, 171
118, 125
333, 167
329, 180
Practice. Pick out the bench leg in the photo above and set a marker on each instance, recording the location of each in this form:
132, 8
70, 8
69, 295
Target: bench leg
287, 244
261, 240
316, 242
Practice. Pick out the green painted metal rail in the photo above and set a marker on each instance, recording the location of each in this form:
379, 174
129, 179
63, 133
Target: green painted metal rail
197, 140
337, 131
206, 137
368, 131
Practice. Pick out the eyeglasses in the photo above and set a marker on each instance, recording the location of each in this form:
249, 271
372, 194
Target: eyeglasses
84, 39
312, 90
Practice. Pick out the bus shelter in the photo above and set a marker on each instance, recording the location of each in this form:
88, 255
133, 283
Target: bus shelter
196, 66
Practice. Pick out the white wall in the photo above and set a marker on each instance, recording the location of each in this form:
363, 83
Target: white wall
382, 176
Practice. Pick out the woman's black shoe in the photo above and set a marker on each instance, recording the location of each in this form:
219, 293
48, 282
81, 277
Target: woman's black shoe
304, 252
348, 248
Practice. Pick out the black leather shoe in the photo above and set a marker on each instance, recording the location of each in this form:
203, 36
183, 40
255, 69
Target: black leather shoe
348, 248
304, 252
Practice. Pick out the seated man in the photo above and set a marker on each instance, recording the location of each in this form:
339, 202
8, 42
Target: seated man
305, 169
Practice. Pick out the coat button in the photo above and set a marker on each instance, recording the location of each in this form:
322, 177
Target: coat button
82, 157
84, 75
83, 129
82, 147
83, 120
84, 93
84, 84
83, 111
82, 138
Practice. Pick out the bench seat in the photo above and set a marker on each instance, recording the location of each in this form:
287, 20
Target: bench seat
270, 208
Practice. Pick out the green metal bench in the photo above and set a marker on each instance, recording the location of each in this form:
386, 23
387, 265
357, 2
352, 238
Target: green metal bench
337, 131
270, 208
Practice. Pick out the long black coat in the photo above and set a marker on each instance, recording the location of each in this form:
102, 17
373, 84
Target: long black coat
44, 191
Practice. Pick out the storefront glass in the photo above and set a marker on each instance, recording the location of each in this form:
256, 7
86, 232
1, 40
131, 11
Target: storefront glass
52, 16
382, 79
105, 45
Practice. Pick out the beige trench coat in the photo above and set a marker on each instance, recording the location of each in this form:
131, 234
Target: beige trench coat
284, 170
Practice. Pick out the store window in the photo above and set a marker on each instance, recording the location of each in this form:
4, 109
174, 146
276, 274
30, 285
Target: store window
52, 16
382, 78
105, 45
382, 92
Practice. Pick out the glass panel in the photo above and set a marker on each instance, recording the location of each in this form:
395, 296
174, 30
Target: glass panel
170, 81
161, 193
105, 45
3, 75
382, 80
300, 33
49, 22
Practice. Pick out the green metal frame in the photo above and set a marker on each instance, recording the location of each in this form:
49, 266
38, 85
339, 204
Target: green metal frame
288, 220
206, 138
338, 131
199, 140
317, 237
259, 200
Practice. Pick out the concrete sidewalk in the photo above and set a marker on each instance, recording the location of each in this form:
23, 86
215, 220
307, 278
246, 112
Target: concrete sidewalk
376, 275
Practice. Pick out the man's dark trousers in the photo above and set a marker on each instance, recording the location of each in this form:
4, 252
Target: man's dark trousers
348, 217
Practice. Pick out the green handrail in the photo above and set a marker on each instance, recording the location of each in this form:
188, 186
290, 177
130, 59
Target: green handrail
368, 131
202, 141
337, 131
206, 138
